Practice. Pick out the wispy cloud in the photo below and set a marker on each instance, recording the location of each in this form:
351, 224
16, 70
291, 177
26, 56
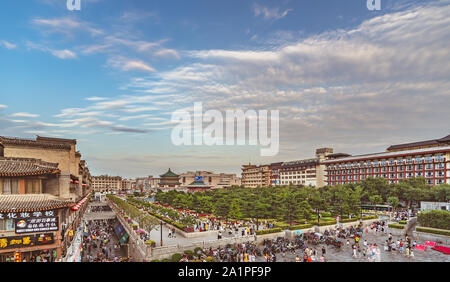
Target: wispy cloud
61, 54
125, 64
25, 115
66, 26
269, 13
7, 45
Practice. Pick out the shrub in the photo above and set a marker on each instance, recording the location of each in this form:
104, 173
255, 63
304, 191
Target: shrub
433, 231
348, 220
370, 217
300, 226
325, 214
189, 253
210, 259
165, 260
402, 222
435, 219
396, 226
197, 249
176, 257
323, 223
282, 225
155, 260
268, 231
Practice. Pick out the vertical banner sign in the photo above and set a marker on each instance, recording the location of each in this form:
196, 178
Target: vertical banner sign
17, 257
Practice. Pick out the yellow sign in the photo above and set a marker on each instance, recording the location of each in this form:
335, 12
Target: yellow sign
71, 233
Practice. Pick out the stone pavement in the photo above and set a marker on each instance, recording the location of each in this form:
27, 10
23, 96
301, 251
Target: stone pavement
155, 235
345, 254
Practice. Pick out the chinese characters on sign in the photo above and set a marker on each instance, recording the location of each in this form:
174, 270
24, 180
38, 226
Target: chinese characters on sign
24, 215
31, 225
25, 241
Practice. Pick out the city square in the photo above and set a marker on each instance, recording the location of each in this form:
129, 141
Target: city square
168, 133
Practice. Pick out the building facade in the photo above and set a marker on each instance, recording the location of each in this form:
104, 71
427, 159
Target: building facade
106, 183
213, 180
43, 187
169, 180
256, 176
398, 163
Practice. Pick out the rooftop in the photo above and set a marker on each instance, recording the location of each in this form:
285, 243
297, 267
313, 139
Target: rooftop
444, 140
16, 167
31, 203
390, 154
39, 142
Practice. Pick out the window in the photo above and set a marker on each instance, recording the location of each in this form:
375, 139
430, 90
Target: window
7, 224
10, 186
33, 186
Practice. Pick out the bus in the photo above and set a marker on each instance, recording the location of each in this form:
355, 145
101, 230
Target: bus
387, 208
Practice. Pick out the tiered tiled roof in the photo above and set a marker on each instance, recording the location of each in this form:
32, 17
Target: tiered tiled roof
31, 203
169, 174
15, 167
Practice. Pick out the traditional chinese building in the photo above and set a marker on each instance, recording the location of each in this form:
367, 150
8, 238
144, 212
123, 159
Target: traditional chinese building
169, 180
30, 216
198, 185
45, 176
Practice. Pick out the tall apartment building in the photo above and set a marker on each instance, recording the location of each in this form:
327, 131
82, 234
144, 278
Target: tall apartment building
215, 180
254, 176
104, 183
308, 172
429, 159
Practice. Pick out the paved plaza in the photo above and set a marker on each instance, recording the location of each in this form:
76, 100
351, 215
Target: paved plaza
345, 253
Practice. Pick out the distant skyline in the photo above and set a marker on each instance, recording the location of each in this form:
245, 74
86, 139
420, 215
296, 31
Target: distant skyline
111, 75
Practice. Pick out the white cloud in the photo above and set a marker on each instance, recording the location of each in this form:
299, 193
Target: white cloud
61, 54
8, 45
26, 115
66, 25
125, 64
269, 13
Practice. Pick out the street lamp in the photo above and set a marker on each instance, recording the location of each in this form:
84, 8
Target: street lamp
161, 227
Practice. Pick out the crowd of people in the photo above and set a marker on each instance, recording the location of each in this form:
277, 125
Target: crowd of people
98, 243
232, 228
244, 252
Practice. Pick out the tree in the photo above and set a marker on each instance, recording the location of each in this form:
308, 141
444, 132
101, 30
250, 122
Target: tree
393, 201
235, 210
317, 203
374, 200
305, 210
148, 223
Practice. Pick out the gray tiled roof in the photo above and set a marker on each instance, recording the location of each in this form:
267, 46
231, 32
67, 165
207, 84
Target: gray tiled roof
15, 167
31, 202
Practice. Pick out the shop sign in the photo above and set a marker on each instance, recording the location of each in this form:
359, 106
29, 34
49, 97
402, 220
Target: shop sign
17, 257
31, 225
25, 241
24, 215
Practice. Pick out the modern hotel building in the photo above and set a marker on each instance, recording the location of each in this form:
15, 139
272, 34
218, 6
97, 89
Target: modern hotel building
429, 159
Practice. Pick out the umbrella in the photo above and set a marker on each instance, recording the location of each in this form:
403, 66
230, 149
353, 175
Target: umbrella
140, 231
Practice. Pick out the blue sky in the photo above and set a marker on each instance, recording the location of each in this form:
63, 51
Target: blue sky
111, 74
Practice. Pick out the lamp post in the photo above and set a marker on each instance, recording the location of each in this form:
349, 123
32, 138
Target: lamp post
161, 227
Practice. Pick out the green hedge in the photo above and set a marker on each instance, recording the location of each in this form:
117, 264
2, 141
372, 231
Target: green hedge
176, 257
434, 219
396, 226
268, 231
369, 217
427, 230
403, 222
348, 220
300, 226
